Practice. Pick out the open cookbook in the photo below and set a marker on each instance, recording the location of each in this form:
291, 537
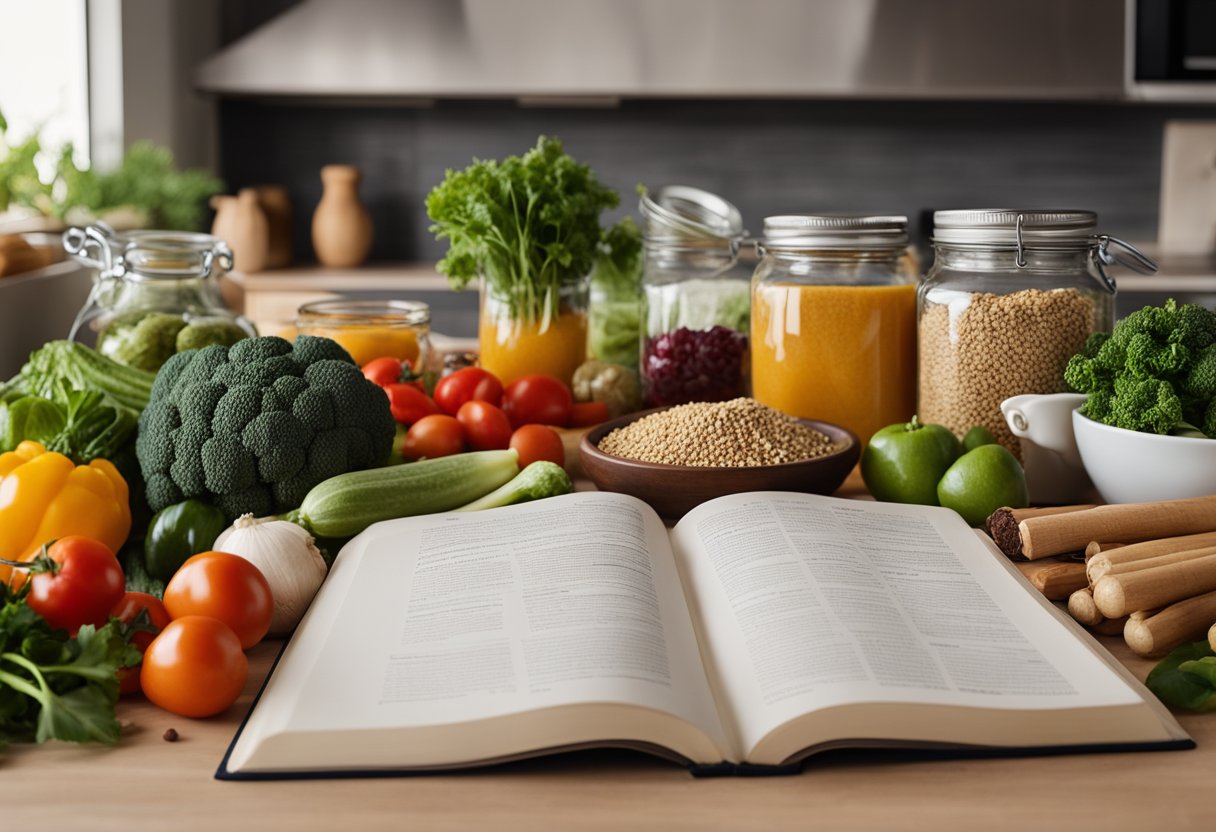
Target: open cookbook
761, 629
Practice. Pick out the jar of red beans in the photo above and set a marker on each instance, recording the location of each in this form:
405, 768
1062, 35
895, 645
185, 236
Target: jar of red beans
696, 299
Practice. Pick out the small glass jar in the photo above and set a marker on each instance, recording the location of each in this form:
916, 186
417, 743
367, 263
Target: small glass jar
695, 299
1011, 296
369, 329
834, 320
553, 341
155, 293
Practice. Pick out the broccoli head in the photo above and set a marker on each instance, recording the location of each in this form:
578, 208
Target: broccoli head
144, 342
254, 426
1149, 405
1200, 381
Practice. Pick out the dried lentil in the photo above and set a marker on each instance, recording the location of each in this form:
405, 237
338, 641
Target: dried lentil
739, 433
979, 350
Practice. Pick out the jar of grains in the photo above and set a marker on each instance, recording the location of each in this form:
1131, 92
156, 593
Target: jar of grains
834, 320
1011, 296
695, 298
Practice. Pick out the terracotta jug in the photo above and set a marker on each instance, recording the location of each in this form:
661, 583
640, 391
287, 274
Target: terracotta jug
341, 226
276, 204
241, 223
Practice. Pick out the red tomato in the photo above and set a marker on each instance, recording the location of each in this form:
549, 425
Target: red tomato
535, 442
433, 436
78, 582
466, 385
127, 610
195, 667
485, 426
537, 400
226, 587
586, 414
383, 371
408, 403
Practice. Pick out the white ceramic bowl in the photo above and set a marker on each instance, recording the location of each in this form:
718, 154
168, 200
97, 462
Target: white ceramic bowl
1127, 466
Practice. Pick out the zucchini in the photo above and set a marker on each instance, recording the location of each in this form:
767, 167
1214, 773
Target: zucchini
345, 505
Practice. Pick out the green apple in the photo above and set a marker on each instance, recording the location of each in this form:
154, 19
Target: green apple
902, 463
981, 481
978, 435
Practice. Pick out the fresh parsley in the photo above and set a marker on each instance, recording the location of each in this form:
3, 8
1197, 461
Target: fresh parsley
529, 225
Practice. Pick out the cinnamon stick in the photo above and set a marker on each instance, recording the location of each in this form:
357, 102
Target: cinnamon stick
1144, 589
1002, 525
1156, 548
1081, 606
1097, 547
1054, 534
1178, 623
1056, 579
1102, 564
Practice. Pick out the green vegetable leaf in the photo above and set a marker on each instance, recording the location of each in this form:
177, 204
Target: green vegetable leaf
1192, 688
82, 715
529, 225
29, 417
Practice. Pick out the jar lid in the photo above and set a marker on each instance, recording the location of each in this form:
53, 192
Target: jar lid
680, 212
792, 232
1004, 226
137, 255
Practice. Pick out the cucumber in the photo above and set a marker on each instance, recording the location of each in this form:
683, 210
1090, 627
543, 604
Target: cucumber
345, 505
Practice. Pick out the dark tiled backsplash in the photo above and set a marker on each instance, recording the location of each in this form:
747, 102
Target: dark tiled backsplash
767, 157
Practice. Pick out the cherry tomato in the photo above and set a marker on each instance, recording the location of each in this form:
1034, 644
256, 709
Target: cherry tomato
408, 403
535, 442
126, 611
537, 400
586, 414
195, 667
383, 371
466, 385
485, 426
226, 587
433, 436
77, 582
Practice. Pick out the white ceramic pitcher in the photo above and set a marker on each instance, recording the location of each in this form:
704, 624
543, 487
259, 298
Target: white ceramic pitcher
1043, 425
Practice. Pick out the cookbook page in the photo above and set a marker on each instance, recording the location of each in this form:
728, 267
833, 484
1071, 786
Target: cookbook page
460, 617
807, 602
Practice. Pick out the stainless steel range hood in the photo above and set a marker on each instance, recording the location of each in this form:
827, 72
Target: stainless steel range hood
612, 49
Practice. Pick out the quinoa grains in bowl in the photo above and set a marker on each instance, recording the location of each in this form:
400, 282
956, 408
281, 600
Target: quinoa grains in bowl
740, 433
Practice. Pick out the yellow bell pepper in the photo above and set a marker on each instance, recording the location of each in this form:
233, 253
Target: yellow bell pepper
45, 496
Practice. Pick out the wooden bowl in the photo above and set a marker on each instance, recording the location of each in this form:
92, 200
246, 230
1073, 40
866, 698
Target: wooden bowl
673, 490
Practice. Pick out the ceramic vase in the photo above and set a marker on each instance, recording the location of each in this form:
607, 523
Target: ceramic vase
275, 202
341, 226
241, 223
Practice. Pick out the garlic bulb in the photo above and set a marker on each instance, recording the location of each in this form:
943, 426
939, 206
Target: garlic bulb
286, 556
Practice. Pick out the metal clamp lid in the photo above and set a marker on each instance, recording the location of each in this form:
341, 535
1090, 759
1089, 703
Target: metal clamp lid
1122, 254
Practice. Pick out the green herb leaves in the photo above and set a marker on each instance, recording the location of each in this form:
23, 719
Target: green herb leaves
1186, 678
529, 225
53, 687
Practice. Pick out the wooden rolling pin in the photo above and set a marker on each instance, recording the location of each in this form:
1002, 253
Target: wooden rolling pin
1054, 534
1101, 565
1056, 579
1002, 525
1146, 589
1184, 621
1148, 549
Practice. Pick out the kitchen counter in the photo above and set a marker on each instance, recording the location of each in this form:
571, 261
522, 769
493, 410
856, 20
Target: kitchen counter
148, 783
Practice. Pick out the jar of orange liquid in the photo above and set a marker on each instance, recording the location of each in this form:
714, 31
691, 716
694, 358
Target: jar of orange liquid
370, 329
834, 320
519, 336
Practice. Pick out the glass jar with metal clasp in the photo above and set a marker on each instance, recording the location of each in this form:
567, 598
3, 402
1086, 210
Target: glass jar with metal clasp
1011, 296
695, 298
834, 320
156, 293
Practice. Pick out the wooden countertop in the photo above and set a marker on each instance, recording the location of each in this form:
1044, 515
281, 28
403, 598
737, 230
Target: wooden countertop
147, 783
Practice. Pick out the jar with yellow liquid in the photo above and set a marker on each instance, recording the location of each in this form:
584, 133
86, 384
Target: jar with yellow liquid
547, 335
833, 323
369, 329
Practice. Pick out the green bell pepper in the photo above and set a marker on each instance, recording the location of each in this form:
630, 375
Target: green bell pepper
178, 532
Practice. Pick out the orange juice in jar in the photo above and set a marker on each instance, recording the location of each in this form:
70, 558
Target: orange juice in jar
369, 329
550, 342
834, 321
